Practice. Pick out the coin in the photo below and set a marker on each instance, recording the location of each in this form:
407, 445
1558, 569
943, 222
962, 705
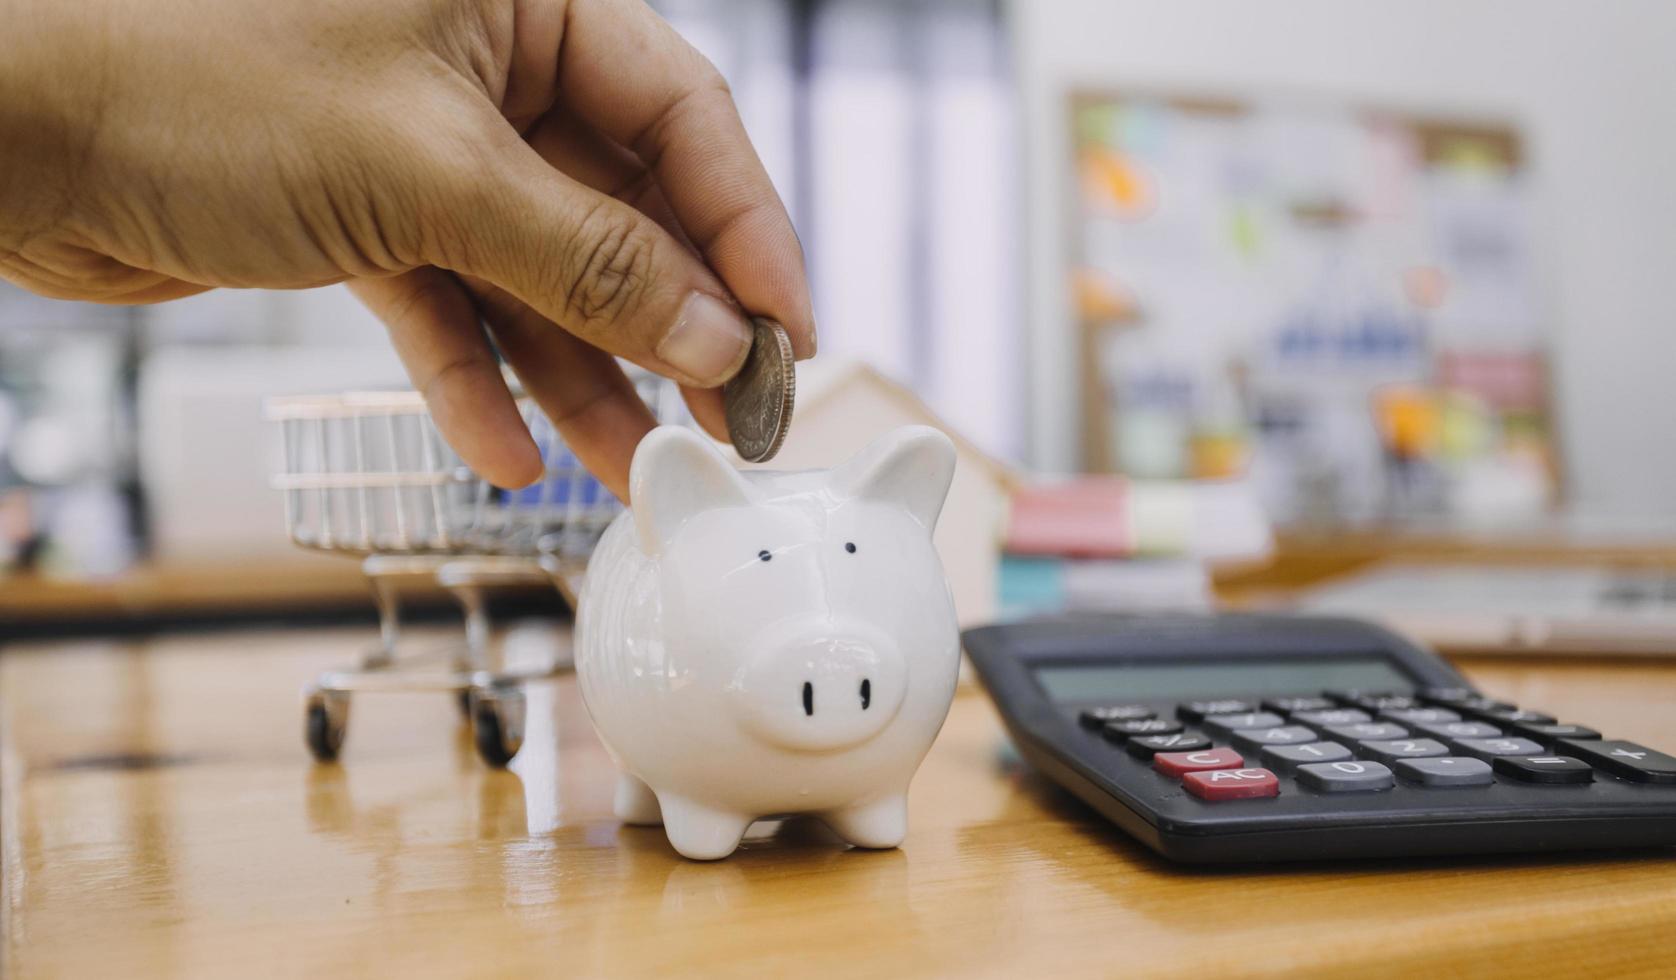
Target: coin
759, 398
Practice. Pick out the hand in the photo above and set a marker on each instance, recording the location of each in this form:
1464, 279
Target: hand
568, 173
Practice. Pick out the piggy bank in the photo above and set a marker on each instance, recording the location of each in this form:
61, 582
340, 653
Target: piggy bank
763, 644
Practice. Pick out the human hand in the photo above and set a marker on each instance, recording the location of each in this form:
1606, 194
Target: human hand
569, 173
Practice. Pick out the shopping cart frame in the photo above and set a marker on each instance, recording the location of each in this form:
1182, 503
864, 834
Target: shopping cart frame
367, 474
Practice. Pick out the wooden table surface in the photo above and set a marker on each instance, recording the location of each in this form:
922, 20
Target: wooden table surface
159, 817
302, 580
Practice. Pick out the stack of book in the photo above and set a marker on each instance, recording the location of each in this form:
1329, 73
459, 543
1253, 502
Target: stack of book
1112, 544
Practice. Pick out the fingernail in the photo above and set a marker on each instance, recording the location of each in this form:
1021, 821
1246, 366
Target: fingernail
709, 340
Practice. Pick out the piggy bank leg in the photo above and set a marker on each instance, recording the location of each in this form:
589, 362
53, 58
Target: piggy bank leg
636, 803
880, 823
700, 832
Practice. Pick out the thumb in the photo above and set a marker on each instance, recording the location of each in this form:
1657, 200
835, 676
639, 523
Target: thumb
597, 267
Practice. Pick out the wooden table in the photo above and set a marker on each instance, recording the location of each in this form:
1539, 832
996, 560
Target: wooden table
159, 817
299, 581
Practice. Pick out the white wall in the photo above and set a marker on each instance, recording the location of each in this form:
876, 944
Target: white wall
207, 454
1593, 85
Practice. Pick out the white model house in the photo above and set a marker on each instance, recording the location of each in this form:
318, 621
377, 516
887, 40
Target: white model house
844, 405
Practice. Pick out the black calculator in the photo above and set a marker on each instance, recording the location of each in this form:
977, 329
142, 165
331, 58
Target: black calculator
1244, 738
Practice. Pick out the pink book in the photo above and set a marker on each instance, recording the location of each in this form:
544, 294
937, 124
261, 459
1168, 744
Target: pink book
1083, 518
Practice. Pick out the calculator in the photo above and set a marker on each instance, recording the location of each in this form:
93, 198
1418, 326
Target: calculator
1250, 738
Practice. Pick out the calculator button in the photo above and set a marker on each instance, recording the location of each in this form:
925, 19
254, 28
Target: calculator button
1445, 771
1386, 702
1178, 764
1332, 716
1447, 695
1099, 717
1390, 750
1346, 776
1419, 716
1365, 730
1286, 706
1197, 710
1253, 739
1373, 700
1626, 759
1145, 746
1544, 769
1481, 704
1228, 724
1231, 784
1287, 758
1117, 731
1548, 734
1515, 716
1353, 695
1490, 748
1461, 729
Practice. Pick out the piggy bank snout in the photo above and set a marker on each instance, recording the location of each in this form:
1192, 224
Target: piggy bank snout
822, 690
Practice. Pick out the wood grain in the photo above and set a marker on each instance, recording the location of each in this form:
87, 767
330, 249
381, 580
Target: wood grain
159, 817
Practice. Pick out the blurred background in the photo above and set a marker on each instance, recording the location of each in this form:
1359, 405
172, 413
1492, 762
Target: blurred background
1388, 272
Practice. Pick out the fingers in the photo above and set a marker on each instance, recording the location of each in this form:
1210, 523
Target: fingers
597, 267
435, 331
578, 150
160, 292
708, 411
582, 390
674, 111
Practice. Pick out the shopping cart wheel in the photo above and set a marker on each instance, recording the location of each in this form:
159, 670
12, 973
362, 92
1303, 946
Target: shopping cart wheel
325, 722
497, 723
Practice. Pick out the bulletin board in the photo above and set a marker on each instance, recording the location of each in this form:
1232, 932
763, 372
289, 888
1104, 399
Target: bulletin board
1340, 303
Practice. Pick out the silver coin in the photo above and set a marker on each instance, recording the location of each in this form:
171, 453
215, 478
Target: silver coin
759, 398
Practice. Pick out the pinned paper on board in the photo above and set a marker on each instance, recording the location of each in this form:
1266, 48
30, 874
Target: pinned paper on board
1340, 303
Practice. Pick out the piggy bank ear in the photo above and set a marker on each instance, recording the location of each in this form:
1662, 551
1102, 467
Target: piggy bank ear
676, 474
910, 467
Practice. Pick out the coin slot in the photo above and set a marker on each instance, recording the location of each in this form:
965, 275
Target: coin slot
866, 693
808, 698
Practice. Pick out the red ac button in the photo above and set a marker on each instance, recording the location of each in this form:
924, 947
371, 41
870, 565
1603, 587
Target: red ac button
1231, 784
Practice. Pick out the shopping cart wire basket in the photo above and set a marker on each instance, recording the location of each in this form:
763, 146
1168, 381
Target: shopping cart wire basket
368, 475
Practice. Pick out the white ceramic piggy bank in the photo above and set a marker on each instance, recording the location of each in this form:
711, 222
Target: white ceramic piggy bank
761, 644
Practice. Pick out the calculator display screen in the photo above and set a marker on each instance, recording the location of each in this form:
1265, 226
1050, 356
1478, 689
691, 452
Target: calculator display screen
1197, 679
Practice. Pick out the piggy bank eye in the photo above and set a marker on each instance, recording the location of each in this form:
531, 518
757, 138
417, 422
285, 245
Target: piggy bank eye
764, 555
849, 546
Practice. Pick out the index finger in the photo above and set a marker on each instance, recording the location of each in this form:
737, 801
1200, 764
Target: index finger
627, 73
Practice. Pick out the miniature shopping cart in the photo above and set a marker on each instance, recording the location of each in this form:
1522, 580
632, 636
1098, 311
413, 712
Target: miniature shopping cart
367, 474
